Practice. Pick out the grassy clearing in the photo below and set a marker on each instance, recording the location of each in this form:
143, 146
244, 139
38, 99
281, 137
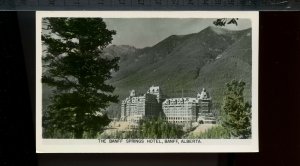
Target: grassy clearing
217, 132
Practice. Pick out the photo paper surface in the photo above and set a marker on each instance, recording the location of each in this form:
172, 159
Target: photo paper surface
139, 82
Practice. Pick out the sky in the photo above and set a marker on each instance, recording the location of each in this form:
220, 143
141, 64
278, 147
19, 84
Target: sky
146, 32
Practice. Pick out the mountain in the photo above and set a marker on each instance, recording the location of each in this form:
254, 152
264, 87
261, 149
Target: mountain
122, 51
184, 64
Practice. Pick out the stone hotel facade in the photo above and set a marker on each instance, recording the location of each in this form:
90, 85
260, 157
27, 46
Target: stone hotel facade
134, 107
180, 110
174, 110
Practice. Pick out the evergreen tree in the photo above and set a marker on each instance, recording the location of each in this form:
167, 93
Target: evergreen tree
158, 128
236, 112
73, 64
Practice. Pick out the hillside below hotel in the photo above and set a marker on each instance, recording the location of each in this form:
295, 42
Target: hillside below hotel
153, 104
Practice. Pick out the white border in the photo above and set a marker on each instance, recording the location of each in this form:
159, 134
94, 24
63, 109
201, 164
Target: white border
93, 146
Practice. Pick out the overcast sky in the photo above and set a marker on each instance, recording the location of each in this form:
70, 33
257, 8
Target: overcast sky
144, 32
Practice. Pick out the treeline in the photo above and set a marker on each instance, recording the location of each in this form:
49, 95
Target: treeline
235, 116
150, 128
217, 132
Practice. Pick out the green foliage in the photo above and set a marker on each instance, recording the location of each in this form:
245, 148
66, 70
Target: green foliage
114, 135
236, 112
159, 129
217, 132
155, 128
74, 66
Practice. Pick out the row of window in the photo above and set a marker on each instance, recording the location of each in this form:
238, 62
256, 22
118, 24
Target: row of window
179, 118
180, 114
177, 104
177, 110
181, 121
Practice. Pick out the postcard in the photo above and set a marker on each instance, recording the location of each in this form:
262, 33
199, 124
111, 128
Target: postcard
146, 81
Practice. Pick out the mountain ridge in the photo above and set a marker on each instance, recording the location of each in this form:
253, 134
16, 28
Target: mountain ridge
207, 59
182, 63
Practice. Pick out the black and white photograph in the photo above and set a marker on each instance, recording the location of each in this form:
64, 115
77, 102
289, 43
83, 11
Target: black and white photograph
146, 82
